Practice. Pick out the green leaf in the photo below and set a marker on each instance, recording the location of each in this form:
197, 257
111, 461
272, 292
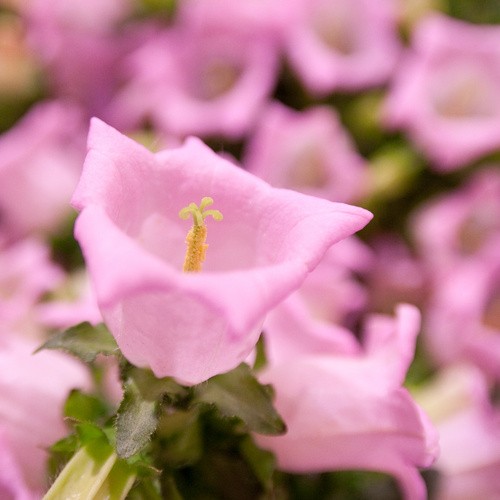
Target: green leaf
239, 394
262, 462
136, 421
84, 341
152, 388
84, 408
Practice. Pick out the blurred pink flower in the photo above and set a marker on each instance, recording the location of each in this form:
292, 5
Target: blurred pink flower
351, 412
308, 151
463, 315
458, 401
193, 325
460, 225
342, 45
40, 163
446, 91
200, 77
26, 273
33, 389
315, 318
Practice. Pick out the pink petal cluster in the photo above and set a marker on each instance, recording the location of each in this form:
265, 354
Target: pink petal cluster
351, 412
193, 325
308, 151
33, 389
342, 45
446, 93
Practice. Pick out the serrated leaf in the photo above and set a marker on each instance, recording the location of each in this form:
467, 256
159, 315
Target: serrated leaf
136, 421
84, 341
239, 394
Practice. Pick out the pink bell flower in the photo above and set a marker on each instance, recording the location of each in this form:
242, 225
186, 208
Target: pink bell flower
462, 321
343, 45
459, 403
199, 78
446, 92
460, 225
351, 412
40, 162
308, 151
193, 325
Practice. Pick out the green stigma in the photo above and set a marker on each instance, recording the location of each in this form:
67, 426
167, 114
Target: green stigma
195, 240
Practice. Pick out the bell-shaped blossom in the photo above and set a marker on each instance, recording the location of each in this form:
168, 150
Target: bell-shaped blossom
446, 91
460, 225
314, 319
200, 77
308, 151
458, 402
342, 45
33, 389
40, 162
185, 324
26, 273
351, 411
463, 315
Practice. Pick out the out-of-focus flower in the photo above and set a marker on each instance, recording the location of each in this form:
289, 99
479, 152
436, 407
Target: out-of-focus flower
202, 78
446, 91
469, 428
33, 389
26, 273
342, 45
193, 325
308, 151
460, 225
81, 46
463, 315
40, 163
315, 318
351, 412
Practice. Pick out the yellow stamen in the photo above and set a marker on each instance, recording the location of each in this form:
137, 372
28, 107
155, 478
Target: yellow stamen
195, 240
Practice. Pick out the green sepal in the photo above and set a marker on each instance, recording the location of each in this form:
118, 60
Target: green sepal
239, 394
136, 420
84, 341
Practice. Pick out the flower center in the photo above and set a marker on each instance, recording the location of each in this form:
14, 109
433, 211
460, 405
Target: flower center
195, 240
